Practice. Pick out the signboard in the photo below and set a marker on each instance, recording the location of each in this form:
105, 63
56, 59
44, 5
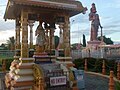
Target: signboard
55, 81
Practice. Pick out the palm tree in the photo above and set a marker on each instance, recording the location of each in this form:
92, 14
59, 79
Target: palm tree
11, 43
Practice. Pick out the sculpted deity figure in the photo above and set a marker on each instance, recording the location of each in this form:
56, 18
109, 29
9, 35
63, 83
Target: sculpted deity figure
95, 22
40, 33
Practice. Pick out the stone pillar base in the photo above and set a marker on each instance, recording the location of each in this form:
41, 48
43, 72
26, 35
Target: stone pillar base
42, 58
20, 75
39, 49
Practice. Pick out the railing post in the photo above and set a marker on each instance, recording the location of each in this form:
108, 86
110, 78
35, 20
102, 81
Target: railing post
103, 68
111, 81
118, 71
85, 65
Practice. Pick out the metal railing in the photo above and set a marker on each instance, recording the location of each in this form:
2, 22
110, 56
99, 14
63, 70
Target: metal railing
99, 53
7, 53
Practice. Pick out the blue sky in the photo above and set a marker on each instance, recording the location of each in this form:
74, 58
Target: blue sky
108, 10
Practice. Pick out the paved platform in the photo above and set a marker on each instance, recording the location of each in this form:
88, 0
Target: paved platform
92, 82
95, 82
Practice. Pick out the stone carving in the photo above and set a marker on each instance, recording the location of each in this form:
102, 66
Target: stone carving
40, 33
95, 22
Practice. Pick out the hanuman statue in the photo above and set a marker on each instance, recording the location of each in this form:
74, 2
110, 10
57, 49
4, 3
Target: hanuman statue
95, 22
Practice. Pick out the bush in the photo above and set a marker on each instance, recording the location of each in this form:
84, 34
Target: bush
8, 62
117, 86
79, 63
95, 65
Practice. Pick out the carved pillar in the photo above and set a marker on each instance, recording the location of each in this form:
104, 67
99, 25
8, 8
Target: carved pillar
24, 26
17, 38
52, 30
47, 40
31, 33
52, 38
61, 46
17, 43
66, 36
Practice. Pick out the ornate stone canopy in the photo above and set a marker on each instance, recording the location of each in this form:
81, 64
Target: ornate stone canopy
14, 7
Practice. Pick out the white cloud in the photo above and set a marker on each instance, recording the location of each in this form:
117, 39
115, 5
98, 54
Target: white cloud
109, 19
5, 35
8, 25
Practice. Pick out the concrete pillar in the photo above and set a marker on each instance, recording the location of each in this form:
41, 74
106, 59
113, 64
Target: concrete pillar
111, 81
31, 33
118, 71
66, 36
24, 26
103, 68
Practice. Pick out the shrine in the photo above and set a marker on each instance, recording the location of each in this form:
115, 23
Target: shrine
42, 71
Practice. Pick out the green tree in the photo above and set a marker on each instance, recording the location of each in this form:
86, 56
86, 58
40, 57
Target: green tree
56, 41
74, 46
106, 40
3, 46
11, 43
84, 41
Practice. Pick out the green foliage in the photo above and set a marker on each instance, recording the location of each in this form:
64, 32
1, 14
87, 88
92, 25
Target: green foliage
79, 63
117, 86
11, 43
74, 46
84, 41
95, 65
106, 40
56, 41
3, 47
8, 62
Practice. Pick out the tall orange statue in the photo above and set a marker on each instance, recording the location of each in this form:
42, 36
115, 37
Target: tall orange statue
95, 22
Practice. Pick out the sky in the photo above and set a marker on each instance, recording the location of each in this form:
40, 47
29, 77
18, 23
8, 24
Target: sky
108, 10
